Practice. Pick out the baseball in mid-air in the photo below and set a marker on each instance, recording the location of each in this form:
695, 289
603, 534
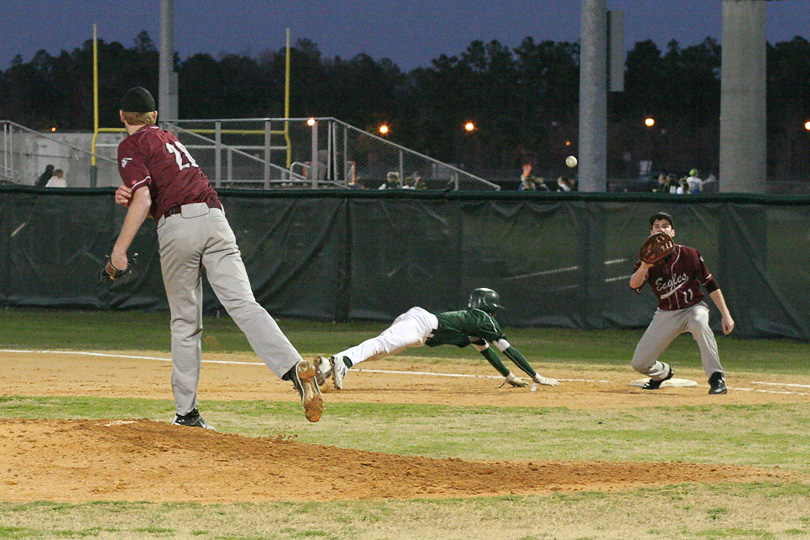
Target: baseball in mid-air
571, 161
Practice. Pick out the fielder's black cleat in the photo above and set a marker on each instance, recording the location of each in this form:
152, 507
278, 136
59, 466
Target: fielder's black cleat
192, 419
304, 380
718, 383
652, 384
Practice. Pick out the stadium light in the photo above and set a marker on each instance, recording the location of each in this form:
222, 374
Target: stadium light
807, 125
649, 121
384, 129
311, 122
469, 127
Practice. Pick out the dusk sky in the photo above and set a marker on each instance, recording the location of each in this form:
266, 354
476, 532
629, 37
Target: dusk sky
411, 33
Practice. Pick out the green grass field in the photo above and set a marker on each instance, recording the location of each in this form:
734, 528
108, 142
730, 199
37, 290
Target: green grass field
772, 436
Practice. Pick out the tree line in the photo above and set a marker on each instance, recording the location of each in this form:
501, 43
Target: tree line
523, 100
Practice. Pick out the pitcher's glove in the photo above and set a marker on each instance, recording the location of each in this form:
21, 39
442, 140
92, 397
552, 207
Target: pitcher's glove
656, 247
517, 382
111, 273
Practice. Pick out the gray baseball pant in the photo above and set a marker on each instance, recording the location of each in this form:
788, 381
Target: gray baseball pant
665, 327
201, 237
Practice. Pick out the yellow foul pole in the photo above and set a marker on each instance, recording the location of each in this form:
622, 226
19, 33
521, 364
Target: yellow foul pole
94, 168
287, 101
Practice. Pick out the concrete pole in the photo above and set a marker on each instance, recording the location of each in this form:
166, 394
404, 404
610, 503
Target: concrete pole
167, 91
593, 97
743, 150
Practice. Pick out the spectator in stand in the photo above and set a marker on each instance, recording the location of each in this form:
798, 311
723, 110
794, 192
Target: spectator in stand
391, 181
409, 183
694, 181
672, 183
683, 187
663, 184
58, 179
42, 181
710, 184
527, 181
531, 183
566, 184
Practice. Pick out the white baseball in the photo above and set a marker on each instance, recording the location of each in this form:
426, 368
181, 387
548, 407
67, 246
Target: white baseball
571, 161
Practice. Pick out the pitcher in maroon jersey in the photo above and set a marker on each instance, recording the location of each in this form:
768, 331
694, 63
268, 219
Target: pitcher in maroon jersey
162, 180
676, 282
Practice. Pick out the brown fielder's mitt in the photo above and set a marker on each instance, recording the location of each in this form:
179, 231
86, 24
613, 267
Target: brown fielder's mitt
110, 273
656, 247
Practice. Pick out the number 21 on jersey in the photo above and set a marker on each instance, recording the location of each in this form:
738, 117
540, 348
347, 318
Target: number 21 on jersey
179, 152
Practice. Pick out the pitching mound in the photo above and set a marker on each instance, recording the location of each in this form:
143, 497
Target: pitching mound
133, 460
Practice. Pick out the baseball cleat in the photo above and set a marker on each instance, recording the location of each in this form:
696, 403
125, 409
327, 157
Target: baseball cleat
652, 384
339, 370
323, 369
304, 379
192, 419
717, 383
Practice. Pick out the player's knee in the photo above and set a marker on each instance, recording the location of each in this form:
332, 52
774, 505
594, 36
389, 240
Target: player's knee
383, 346
641, 364
699, 330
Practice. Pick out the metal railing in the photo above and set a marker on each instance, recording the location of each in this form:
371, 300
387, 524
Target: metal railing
235, 166
257, 153
316, 153
26, 153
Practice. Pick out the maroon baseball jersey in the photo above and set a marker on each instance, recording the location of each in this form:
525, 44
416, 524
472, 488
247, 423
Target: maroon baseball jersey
676, 280
154, 158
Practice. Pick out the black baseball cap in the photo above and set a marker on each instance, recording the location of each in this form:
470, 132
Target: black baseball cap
138, 100
661, 215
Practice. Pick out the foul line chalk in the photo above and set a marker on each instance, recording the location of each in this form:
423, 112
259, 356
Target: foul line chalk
421, 373
791, 385
129, 356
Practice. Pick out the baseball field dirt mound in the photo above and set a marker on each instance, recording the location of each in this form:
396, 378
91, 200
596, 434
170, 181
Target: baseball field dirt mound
135, 460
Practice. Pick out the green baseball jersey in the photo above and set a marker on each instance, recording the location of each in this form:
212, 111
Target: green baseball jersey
460, 328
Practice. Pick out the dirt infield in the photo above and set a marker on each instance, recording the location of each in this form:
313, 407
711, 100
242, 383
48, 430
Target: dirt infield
85, 460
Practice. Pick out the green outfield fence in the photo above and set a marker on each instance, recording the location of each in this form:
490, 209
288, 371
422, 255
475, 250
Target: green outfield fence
556, 259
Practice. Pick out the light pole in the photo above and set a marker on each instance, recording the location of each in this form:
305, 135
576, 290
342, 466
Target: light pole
313, 169
646, 166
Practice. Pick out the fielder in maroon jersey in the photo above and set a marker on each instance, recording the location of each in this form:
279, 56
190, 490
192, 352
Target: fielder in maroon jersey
676, 281
162, 180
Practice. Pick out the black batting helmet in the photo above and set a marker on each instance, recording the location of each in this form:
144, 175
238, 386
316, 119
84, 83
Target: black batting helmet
486, 300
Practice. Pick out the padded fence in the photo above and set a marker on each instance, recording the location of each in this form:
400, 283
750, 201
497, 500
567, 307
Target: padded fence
556, 259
